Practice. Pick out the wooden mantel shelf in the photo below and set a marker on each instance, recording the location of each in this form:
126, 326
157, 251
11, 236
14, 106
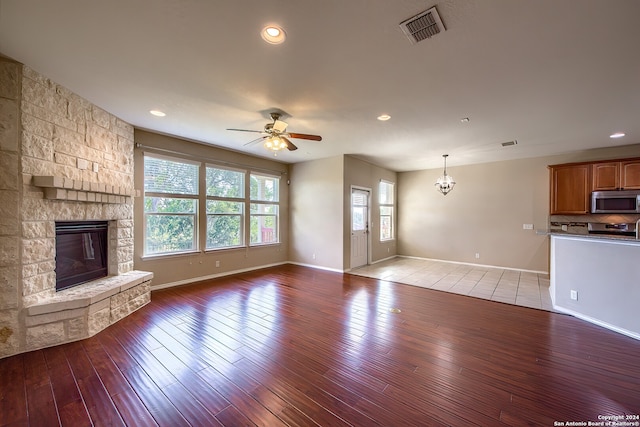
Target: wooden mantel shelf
60, 188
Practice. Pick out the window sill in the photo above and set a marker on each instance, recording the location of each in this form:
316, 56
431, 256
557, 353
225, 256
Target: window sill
172, 254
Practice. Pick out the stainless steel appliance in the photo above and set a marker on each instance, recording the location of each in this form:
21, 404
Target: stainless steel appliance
623, 229
624, 201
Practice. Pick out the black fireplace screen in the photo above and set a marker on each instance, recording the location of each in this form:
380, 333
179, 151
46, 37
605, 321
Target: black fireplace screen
81, 252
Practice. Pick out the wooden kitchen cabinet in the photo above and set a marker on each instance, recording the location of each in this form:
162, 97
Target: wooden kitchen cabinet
570, 189
606, 176
630, 175
621, 175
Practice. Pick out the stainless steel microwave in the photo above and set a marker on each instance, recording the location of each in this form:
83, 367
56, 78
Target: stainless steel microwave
623, 201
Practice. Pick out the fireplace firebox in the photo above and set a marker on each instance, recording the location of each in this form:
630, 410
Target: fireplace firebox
81, 252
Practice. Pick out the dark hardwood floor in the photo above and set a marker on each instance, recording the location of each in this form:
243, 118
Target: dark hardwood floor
295, 346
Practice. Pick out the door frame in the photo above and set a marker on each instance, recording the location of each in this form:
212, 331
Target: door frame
370, 191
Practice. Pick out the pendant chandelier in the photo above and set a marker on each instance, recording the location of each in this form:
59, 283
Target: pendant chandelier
445, 183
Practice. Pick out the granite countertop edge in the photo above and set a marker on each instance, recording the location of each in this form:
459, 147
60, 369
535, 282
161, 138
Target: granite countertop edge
587, 236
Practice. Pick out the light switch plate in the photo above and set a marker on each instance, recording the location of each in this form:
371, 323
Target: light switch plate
82, 164
527, 226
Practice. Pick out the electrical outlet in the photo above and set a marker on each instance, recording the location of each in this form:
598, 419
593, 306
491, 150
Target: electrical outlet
527, 226
217, 263
314, 256
574, 295
477, 255
564, 228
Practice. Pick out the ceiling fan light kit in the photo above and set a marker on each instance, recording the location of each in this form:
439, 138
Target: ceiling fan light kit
445, 183
275, 144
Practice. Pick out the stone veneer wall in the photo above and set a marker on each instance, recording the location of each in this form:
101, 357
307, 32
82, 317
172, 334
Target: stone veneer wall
48, 131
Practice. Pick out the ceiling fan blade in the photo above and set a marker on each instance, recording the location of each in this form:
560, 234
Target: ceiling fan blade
290, 145
304, 136
254, 141
279, 126
246, 130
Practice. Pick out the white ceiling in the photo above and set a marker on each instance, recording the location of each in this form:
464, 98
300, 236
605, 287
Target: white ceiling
557, 76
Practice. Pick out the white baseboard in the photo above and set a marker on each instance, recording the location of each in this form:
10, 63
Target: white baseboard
474, 265
213, 276
243, 270
597, 322
317, 267
385, 259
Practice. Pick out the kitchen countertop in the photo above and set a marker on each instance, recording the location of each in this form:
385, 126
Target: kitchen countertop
629, 239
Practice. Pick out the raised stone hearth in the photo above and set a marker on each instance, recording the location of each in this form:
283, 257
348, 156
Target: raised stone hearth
85, 310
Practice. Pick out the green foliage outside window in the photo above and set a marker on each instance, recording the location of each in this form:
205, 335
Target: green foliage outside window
170, 224
224, 212
170, 205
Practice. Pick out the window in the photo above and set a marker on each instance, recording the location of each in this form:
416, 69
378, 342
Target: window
386, 200
264, 209
177, 211
170, 205
225, 207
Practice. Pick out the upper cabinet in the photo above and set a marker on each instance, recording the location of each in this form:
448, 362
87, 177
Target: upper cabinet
570, 189
572, 183
606, 176
630, 175
619, 175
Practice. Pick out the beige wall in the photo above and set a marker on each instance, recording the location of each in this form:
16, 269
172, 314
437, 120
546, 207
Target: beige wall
485, 212
317, 213
366, 175
179, 269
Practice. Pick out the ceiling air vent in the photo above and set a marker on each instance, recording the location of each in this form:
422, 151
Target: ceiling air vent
510, 143
422, 26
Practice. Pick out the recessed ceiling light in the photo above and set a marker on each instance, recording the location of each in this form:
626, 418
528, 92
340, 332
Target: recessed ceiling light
384, 117
273, 34
158, 113
616, 135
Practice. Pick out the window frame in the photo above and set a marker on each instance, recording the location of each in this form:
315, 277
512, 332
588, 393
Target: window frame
241, 199
383, 205
201, 216
265, 202
175, 196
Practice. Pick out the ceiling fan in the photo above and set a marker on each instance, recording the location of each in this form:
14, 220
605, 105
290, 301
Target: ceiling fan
275, 136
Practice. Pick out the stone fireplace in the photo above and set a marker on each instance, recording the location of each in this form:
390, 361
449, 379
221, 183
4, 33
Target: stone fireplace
63, 160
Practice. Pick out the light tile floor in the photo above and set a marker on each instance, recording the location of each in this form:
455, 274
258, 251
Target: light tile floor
495, 284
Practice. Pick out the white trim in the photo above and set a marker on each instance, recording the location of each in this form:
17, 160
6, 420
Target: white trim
242, 270
475, 265
213, 276
386, 259
369, 223
317, 267
597, 322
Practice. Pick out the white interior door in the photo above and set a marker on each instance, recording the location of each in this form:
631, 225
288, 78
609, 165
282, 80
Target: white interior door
359, 227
